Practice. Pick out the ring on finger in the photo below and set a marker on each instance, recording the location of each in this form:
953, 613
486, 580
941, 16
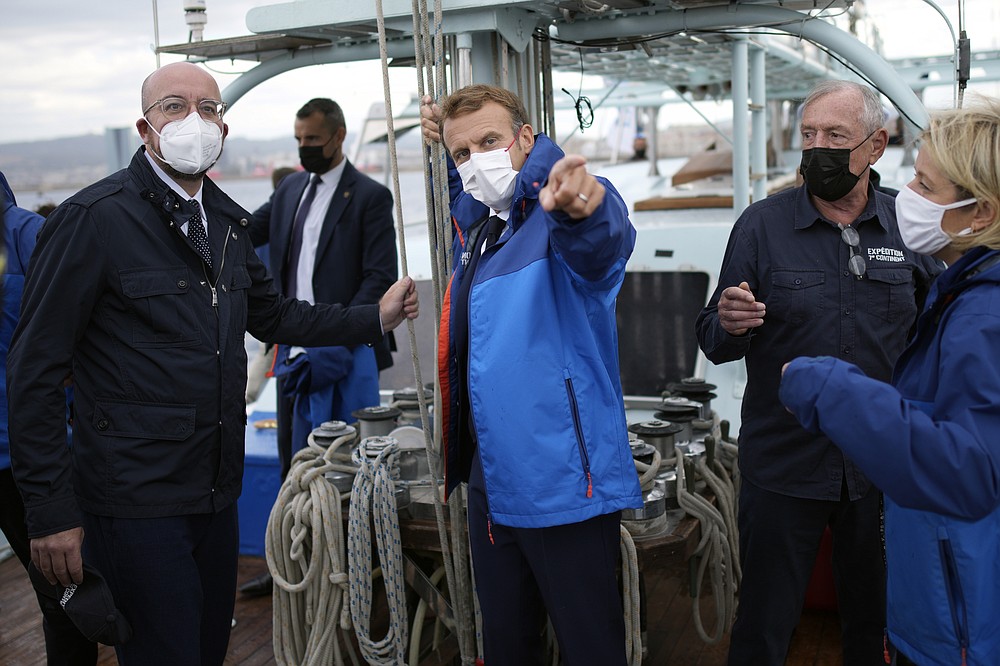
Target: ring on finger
583, 197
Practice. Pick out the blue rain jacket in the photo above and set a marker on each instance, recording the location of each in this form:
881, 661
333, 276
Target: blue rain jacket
931, 442
543, 372
20, 229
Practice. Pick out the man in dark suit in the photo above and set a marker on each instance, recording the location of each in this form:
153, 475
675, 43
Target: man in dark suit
331, 237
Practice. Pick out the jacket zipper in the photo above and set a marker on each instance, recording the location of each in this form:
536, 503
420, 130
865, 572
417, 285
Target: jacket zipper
215, 304
212, 285
953, 586
580, 443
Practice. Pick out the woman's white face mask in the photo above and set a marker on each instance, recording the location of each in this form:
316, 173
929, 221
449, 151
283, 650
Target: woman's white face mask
191, 145
919, 221
490, 177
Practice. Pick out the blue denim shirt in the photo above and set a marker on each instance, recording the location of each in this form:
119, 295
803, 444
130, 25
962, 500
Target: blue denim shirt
796, 263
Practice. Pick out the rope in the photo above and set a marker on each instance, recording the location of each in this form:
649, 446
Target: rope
424, 413
373, 507
718, 547
430, 67
648, 472
304, 548
630, 599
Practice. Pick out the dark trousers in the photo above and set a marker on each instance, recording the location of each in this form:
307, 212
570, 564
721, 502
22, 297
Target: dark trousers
64, 644
174, 579
568, 570
779, 539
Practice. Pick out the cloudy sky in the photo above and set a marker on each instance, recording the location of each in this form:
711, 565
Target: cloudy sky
71, 67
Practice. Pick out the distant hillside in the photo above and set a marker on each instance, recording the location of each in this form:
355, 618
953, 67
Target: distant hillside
77, 161
74, 162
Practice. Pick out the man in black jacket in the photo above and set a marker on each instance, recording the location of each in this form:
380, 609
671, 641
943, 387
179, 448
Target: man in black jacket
140, 291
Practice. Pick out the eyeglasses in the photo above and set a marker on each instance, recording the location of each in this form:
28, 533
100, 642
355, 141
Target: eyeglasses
856, 264
175, 108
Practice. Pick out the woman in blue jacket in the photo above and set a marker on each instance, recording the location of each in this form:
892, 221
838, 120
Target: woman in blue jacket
931, 440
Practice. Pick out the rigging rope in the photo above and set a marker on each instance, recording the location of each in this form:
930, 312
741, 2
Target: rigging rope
304, 546
439, 234
630, 599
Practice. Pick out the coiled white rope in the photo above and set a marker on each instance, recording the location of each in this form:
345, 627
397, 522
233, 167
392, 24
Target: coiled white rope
304, 545
373, 508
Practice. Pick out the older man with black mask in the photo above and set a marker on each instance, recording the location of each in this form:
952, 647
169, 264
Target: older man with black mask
818, 270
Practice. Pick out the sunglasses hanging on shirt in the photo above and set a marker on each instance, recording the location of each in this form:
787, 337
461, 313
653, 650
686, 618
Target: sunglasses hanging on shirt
856, 264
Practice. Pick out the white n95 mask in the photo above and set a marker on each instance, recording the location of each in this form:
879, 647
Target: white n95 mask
919, 221
191, 145
490, 178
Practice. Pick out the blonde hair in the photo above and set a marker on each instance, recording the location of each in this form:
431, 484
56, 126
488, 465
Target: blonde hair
965, 145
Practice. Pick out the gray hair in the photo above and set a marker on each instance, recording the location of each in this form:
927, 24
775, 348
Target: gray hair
872, 114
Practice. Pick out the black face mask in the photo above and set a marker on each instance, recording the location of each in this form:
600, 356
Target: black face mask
827, 171
313, 160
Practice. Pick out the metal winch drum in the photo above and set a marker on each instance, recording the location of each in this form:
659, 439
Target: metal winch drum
325, 435
373, 447
679, 410
666, 480
413, 464
407, 400
329, 431
653, 504
694, 389
660, 434
376, 421
692, 451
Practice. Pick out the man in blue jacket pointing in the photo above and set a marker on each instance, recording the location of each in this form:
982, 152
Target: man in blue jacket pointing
533, 414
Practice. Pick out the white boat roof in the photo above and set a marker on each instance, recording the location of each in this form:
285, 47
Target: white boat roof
662, 53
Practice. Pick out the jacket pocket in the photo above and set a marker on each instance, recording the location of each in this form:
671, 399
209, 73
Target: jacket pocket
161, 310
890, 294
796, 296
953, 586
239, 283
581, 441
143, 420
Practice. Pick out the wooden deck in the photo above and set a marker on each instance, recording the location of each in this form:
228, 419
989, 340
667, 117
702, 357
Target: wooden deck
671, 636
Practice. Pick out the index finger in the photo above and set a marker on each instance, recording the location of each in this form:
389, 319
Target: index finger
566, 166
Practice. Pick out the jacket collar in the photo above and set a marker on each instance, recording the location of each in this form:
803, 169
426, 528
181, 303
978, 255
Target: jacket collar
806, 213
980, 264
168, 203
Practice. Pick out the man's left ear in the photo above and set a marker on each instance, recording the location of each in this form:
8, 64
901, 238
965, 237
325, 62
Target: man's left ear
142, 125
225, 130
526, 137
879, 142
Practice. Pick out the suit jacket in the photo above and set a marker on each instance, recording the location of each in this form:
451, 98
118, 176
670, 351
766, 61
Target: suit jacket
356, 255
